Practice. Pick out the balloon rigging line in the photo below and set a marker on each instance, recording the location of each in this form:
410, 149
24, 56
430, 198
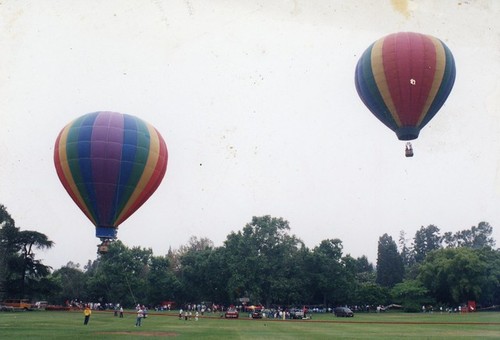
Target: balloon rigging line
130, 289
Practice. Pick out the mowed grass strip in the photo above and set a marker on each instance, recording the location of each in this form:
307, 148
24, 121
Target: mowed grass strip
103, 325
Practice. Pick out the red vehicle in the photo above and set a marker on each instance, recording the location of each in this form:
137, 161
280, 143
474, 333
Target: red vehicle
231, 313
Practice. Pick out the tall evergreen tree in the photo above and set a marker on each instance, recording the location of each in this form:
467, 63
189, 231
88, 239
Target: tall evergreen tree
426, 240
405, 251
390, 269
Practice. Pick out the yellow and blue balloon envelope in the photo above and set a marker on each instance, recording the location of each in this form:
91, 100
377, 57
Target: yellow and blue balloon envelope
110, 164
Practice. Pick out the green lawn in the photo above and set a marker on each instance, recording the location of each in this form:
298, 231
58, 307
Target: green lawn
103, 325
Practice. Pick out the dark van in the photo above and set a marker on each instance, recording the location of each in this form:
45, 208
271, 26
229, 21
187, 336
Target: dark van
344, 312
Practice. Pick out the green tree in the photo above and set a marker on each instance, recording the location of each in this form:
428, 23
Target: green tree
202, 271
298, 279
329, 274
32, 270
70, 281
426, 240
475, 237
22, 274
372, 294
195, 272
490, 286
8, 248
365, 273
411, 294
216, 277
121, 276
405, 251
162, 284
453, 275
261, 261
359, 274
390, 269
242, 258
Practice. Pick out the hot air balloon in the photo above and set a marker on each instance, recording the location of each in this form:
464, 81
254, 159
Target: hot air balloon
110, 164
404, 79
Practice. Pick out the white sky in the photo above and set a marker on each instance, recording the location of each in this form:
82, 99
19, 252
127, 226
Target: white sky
257, 104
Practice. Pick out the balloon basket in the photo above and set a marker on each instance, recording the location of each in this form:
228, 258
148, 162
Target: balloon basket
103, 247
408, 150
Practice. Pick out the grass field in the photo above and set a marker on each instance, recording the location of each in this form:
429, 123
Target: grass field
103, 325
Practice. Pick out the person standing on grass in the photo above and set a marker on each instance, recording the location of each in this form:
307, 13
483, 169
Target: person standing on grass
140, 315
121, 311
86, 313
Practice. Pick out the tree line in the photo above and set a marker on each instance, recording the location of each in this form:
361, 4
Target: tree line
266, 264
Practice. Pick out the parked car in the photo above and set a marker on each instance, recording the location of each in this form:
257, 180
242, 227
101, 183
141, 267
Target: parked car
296, 313
343, 311
231, 313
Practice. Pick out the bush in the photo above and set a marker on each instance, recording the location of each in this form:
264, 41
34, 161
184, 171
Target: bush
411, 308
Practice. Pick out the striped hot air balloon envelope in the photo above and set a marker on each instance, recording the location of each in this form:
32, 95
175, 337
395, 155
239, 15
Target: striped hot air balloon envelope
404, 79
110, 164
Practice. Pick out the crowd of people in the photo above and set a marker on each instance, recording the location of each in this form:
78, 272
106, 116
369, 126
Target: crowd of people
190, 312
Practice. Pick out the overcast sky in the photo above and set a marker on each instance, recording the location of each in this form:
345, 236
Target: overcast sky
257, 104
